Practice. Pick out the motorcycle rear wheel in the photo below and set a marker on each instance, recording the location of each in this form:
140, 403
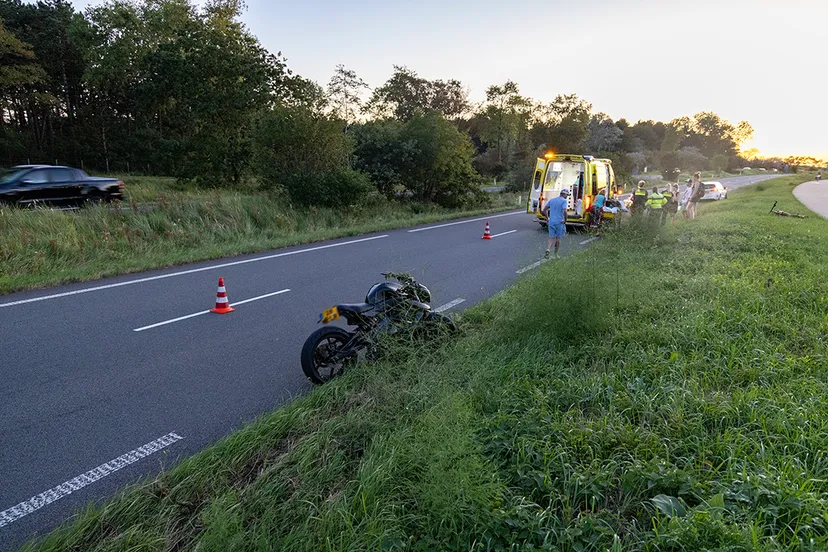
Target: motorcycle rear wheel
317, 351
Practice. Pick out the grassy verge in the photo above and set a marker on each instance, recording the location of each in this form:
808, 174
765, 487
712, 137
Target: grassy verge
663, 390
164, 224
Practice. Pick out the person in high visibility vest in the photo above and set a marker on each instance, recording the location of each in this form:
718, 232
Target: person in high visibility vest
670, 205
655, 204
639, 200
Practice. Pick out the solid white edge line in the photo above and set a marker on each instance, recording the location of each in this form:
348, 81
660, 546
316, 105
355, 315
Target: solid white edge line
183, 272
180, 318
504, 233
464, 221
589, 240
450, 305
56, 493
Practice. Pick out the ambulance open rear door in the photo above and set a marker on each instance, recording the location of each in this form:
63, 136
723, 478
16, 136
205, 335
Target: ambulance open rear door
536, 192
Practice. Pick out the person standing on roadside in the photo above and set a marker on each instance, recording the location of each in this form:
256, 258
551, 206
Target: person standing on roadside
697, 192
655, 205
597, 214
685, 196
639, 200
555, 211
671, 205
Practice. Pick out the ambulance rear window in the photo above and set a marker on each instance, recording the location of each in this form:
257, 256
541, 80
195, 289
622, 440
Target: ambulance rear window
562, 174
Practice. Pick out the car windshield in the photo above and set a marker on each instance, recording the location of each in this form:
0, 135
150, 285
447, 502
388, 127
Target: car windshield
8, 175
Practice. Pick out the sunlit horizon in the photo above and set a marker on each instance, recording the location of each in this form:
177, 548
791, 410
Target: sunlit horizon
636, 60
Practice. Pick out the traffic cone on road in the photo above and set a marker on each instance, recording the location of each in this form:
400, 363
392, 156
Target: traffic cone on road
222, 304
487, 235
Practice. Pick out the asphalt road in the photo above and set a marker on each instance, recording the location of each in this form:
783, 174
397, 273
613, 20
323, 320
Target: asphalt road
107, 382
814, 196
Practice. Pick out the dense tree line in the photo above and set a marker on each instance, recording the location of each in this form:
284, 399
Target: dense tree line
166, 87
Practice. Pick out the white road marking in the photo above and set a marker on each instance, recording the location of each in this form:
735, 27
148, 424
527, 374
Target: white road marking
56, 493
449, 305
281, 291
504, 233
589, 240
531, 266
464, 222
183, 272
165, 322
180, 318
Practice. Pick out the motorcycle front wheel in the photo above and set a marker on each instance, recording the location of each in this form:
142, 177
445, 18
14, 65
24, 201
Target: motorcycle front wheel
435, 324
318, 352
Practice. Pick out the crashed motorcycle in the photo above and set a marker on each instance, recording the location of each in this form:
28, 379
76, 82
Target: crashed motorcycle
399, 304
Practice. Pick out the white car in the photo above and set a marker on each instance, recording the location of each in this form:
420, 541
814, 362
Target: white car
714, 190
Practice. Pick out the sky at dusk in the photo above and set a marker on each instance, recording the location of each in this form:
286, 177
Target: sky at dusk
762, 61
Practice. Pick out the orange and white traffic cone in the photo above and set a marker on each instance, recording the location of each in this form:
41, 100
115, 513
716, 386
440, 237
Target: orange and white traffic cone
487, 234
222, 304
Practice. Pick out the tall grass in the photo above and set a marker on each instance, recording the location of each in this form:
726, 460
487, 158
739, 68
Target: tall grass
666, 389
164, 223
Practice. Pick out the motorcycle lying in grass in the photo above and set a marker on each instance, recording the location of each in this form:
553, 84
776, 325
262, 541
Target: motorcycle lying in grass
396, 306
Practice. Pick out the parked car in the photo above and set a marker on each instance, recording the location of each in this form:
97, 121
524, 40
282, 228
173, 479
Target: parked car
35, 184
714, 190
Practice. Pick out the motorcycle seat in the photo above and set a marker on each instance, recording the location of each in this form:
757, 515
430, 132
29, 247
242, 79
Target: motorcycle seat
359, 308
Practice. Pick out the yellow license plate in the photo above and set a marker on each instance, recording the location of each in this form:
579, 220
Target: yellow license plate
329, 315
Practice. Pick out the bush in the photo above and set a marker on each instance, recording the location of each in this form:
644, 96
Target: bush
426, 156
377, 152
691, 159
439, 165
339, 187
669, 162
719, 162
297, 148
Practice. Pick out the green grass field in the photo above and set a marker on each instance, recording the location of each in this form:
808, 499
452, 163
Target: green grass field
163, 223
662, 390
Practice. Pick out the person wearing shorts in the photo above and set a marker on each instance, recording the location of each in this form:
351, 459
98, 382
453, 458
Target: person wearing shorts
695, 195
555, 211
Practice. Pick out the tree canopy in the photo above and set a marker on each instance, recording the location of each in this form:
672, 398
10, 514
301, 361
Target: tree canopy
173, 87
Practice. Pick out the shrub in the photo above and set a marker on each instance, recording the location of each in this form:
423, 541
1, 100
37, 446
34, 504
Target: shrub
426, 155
719, 162
339, 187
295, 147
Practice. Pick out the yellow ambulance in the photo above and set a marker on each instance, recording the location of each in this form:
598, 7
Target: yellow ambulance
582, 175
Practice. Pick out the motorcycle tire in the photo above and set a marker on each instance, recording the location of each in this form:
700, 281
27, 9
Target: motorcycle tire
319, 346
436, 324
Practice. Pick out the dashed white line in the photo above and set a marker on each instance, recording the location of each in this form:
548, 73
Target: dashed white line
531, 266
589, 240
449, 305
464, 222
281, 291
165, 322
56, 493
504, 233
180, 318
191, 271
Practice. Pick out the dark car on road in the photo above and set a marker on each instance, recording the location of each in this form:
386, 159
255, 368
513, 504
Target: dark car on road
47, 184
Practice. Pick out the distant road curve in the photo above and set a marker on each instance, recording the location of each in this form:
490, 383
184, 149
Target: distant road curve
814, 196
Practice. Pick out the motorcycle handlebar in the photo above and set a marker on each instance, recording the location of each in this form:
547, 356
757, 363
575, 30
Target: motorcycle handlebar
402, 277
